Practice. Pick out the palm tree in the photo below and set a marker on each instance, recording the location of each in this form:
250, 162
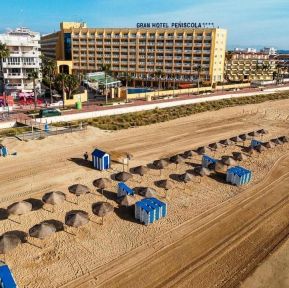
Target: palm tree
68, 83
48, 68
34, 76
159, 74
4, 53
106, 69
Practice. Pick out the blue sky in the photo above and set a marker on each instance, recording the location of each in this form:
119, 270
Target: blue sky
250, 23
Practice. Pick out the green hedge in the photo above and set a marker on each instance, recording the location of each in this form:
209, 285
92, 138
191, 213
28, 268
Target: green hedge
130, 120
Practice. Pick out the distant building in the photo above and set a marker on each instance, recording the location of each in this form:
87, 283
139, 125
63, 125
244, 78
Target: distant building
183, 55
246, 67
282, 67
246, 50
269, 51
24, 58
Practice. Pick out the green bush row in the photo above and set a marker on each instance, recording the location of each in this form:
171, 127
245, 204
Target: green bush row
130, 120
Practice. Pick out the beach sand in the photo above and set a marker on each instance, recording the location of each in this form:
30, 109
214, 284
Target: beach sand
56, 162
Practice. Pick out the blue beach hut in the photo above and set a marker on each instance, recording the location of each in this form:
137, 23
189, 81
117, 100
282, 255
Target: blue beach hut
255, 143
207, 161
6, 277
149, 210
124, 190
100, 160
238, 176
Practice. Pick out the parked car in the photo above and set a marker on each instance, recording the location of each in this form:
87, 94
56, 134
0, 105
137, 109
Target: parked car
49, 112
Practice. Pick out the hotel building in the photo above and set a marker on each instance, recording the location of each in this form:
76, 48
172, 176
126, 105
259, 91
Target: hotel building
248, 66
24, 58
182, 55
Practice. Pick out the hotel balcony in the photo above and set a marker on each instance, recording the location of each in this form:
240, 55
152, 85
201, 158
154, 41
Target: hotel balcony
15, 76
11, 65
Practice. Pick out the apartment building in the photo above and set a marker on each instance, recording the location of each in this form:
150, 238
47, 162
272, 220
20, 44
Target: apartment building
182, 55
248, 66
24, 58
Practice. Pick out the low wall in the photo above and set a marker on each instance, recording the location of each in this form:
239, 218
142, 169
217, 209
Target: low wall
156, 94
233, 86
76, 97
130, 109
5, 125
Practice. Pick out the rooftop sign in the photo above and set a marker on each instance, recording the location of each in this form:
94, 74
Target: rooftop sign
176, 25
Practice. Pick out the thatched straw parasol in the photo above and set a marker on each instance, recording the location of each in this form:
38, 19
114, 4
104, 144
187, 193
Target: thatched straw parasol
54, 198
177, 159
190, 153
244, 137
42, 230
141, 170
101, 183
127, 201
202, 171
78, 189
229, 161
260, 148
76, 218
236, 139
250, 150
215, 146
262, 131
8, 242
203, 150
186, 177
277, 141
166, 184
253, 134
19, 208
284, 139
102, 209
160, 164
239, 156
220, 167
269, 144
147, 192
226, 142
123, 176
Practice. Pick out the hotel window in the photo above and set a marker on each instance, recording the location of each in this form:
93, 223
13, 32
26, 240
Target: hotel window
67, 46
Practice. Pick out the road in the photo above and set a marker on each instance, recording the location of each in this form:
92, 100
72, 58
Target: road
216, 249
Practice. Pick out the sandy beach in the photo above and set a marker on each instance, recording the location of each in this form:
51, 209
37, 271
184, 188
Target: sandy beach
81, 257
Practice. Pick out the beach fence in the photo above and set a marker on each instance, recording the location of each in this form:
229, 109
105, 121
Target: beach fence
238, 176
149, 210
207, 161
124, 190
47, 130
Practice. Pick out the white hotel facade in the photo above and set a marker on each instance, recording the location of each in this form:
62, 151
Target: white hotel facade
24, 58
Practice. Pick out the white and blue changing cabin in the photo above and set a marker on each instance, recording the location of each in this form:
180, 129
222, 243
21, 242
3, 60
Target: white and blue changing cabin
150, 210
100, 160
124, 190
207, 161
6, 277
238, 175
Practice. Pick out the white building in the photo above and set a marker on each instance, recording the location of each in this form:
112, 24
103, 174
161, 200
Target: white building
247, 50
24, 58
269, 50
